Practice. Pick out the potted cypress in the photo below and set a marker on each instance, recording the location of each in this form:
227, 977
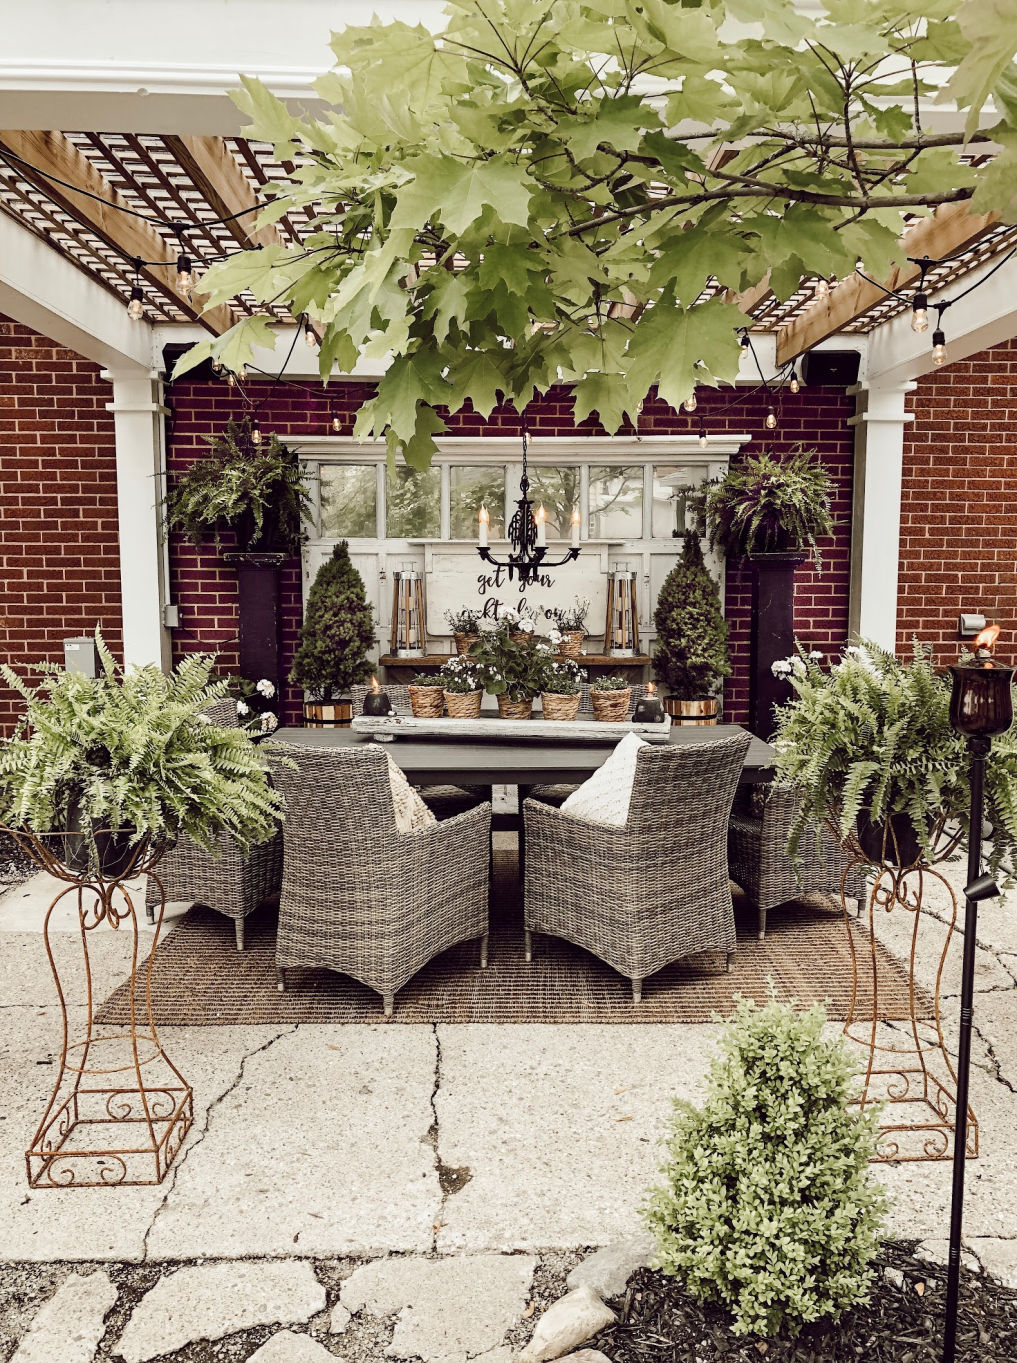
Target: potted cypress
337, 632
691, 655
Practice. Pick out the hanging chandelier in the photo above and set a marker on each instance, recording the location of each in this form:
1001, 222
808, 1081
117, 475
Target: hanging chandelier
527, 536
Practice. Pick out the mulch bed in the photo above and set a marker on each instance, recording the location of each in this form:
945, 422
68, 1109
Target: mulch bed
903, 1323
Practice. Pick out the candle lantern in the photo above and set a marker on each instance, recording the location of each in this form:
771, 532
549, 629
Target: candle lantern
377, 701
648, 708
407, 614
621, 630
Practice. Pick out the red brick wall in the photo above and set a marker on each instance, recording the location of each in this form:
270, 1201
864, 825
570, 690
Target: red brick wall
205, 589
59, 560
958, 546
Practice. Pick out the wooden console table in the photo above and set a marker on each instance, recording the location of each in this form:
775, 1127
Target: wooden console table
402, 670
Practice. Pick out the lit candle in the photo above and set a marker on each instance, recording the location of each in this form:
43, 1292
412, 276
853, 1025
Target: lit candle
541, 528
648, 708
485, 520
377, 701
575, 528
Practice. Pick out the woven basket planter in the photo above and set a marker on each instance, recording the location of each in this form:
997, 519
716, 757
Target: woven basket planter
464, 642
514, 709
427, 702
522, 636
571, 643
610, 706
559, 707
463, 704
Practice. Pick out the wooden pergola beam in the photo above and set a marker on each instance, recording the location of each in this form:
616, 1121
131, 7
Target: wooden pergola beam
749, 299
213, 170
42, 155
950, 229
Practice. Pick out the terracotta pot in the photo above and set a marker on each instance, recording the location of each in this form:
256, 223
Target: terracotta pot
556, 706
692, 711
572, 643
336, 714
514, 709
463, 704
464, 642
610, 707
427, 702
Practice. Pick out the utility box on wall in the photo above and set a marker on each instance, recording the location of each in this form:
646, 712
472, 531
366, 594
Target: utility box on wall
81, 655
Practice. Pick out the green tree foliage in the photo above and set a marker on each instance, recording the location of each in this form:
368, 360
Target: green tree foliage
536, 193
337, 632
768, 1206
691, 655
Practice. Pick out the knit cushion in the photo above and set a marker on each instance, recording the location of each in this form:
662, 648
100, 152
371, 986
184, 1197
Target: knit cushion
411, 813
604, 798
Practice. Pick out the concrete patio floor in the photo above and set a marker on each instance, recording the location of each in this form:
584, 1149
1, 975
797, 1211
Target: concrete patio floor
340, 1144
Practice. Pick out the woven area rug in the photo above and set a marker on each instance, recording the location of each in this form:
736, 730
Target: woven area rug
200, 979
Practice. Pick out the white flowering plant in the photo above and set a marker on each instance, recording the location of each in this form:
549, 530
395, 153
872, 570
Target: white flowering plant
569, 619
462, 676
257, 705
563, 677
466, 620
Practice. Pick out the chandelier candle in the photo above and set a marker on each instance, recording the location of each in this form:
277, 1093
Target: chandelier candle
981, 706
377, 701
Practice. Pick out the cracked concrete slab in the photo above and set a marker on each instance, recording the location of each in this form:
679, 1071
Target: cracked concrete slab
70, 1325
450, 1310
210, 1301
321, 1148
289, 1347
559, 1126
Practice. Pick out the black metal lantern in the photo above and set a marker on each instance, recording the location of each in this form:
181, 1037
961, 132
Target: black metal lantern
527, 535
981, 706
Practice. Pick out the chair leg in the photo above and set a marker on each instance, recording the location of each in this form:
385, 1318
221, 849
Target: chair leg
528, 941
483, 951
730, 958
280, 979
238, 927
388, 1003
761, 932
637, 989
150, 912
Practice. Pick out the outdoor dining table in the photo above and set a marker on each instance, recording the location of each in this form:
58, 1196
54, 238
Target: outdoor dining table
521, 763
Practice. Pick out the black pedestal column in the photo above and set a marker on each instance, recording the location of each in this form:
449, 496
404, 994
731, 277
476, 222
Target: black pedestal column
773, 635
258, 608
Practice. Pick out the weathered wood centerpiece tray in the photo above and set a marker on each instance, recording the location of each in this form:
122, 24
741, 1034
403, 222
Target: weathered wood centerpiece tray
491, 728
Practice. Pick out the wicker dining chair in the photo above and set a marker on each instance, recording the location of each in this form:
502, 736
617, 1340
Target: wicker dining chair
650, 893
224, 878
445, 801
759, 862
556, 794
358, 896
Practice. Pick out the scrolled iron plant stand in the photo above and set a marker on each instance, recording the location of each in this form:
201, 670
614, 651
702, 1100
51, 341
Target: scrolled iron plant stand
919, 1073
120, 1109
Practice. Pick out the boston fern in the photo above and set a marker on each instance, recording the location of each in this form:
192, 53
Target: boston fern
766, 505
132, 750
873, 733
256, 490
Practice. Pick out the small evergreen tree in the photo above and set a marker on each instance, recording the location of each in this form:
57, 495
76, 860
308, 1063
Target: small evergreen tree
691, 656
338, 630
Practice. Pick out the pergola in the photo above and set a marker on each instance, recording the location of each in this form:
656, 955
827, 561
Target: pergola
67, 257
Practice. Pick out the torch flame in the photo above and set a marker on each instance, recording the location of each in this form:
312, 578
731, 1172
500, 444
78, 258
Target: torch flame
374, 684
987, 638
651, 690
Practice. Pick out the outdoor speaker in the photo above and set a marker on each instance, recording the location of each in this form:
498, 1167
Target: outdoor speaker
832, 368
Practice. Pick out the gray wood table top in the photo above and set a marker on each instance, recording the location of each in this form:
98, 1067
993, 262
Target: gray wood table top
437, 762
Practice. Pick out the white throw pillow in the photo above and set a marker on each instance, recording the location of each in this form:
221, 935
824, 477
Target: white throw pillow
411, 814
605, 796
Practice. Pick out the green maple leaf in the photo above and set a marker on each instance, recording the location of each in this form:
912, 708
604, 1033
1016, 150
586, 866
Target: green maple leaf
457, 192
475, 375
446, 301
619, 123
676, 347
419, 448
990, 27
605, 394
408, 380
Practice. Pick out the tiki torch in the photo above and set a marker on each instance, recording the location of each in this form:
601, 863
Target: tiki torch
981, 706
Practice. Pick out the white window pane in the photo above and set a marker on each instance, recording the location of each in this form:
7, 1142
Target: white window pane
616, 502
672, 509
413, 503
473, 485
557, 490
349, 501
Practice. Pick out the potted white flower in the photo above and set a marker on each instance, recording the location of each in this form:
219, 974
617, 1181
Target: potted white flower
561, 688
463, 688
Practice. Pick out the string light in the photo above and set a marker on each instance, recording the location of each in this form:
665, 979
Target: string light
185, 279
255, 432
702, 435
920, 313
136, 305
795, 384
690, 402
771, 420
310, 340
823, 289
231, 378
939, 355
337, 425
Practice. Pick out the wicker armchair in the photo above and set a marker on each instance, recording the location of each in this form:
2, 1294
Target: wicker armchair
650, 893
222, 879
759, 863
445, 801
558, 794
360, 898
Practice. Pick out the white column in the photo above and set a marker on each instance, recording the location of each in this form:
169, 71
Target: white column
138, 416
879, 422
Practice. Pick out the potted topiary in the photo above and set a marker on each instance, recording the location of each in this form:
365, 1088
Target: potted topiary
691, 655
610, 698
465, 626
105, 771
513, 662
427, 694
463, 688
337, 632
569, 624
561, 688
869, 749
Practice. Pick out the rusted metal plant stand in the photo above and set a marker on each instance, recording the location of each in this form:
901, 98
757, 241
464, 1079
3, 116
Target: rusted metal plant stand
120, 1109
909, 1070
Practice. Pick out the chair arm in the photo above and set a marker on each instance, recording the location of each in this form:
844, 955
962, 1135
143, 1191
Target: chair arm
549, 822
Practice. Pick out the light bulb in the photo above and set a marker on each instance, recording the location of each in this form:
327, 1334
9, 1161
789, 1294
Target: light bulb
743, 340
337, 425
136, 307
822, 289
231, 379
185, 279
242, 373
255, 434
938, 348
310, 340
919, 313
702, 440
771, 420
690, 403
216, 366
794, 385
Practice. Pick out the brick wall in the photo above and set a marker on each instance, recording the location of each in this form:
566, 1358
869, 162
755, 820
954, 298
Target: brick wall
205, 589
59, 560
958, 547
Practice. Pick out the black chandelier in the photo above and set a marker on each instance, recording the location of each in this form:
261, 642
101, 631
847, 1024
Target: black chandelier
527, 536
